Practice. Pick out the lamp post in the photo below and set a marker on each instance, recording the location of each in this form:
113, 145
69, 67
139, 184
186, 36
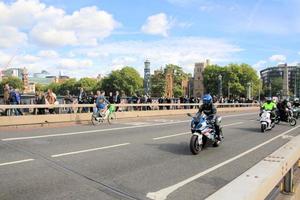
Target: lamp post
220, 86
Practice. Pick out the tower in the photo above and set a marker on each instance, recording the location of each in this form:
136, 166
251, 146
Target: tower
169, 84
147, 77
198, 90
25, 80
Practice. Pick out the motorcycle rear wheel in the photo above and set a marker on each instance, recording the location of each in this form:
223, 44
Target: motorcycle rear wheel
293, 121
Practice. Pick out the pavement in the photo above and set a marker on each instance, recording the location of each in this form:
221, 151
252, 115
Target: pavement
144, 158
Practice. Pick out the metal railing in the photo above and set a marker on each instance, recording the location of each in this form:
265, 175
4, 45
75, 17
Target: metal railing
268, 178
75, 108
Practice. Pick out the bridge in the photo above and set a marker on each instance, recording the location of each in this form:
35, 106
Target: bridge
147, 157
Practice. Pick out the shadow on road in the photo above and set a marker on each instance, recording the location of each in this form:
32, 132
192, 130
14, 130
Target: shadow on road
178, 149
250, 129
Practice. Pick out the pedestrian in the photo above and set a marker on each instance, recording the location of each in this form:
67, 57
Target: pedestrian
51, 99
91, 100
117, 99
68, 100
6, 92
40, 100
111, 98
82, 99
15, 99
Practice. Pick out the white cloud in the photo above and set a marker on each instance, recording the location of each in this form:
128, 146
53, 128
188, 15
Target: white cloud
74, 64
158, 24
10, 37
277, 58
183, 51
50, 26
260, 65
48, 54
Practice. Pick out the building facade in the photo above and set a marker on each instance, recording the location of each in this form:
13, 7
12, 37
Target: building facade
147, 77
198, 86
290, 76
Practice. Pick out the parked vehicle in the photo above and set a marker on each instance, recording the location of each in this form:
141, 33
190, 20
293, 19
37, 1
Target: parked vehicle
203, 130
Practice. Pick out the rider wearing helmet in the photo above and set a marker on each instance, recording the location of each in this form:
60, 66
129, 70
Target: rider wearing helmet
269, 105
210, 110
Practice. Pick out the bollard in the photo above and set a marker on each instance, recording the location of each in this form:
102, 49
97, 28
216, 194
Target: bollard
288, 182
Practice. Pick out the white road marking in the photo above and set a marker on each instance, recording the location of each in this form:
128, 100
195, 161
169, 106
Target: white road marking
236, 123
168, 136
89, 150
16, 162
179, 134
164, 193
103, 130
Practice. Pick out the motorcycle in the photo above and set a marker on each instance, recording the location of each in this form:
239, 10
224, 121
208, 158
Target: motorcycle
203, 130
265, 121
99, 117
290, 119
296, 112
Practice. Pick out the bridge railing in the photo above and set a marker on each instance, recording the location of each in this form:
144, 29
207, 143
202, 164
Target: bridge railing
266, 179
75, 108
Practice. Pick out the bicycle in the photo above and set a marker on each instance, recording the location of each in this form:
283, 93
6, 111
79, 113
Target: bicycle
99, 117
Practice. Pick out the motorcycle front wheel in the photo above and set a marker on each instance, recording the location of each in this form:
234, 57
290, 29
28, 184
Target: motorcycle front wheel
195, 147
263, 128
95, 121
293, 121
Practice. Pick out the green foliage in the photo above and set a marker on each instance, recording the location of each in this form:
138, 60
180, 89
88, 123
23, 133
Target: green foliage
70, 85
40, 87
158, 81
158, 84
12, 81
234, 76
127, 80
88, 84
55, 87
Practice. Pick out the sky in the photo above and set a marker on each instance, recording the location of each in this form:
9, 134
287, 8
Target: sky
84, 38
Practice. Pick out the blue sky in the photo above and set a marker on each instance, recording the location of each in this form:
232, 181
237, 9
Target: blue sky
87, 37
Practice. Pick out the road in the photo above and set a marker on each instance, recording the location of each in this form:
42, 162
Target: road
131, 159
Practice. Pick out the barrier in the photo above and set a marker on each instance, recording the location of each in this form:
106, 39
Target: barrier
258, 183
80, 117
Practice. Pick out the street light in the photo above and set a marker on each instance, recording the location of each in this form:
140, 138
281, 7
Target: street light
220, 85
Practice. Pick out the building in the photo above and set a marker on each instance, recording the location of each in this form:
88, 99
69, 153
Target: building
42, 74
198, 86
15, 72
147, 77
290, 76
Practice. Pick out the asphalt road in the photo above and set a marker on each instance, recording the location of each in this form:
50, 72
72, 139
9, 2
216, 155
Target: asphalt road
132, 159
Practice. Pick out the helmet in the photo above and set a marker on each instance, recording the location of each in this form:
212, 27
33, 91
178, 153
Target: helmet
207, 99
269, 99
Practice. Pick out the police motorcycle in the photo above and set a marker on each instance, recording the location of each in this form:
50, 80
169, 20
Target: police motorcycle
265, 121
203, 130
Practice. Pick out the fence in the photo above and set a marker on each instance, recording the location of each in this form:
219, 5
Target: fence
266, 179
75, 108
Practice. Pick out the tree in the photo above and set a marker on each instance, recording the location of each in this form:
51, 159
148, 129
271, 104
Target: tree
12, 81
40, 88
158, 84
235, 78
88, 84
127, 80
55, 87
70, 85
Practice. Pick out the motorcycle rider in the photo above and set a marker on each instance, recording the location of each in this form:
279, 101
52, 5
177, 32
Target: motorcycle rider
269, 105
210, 111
